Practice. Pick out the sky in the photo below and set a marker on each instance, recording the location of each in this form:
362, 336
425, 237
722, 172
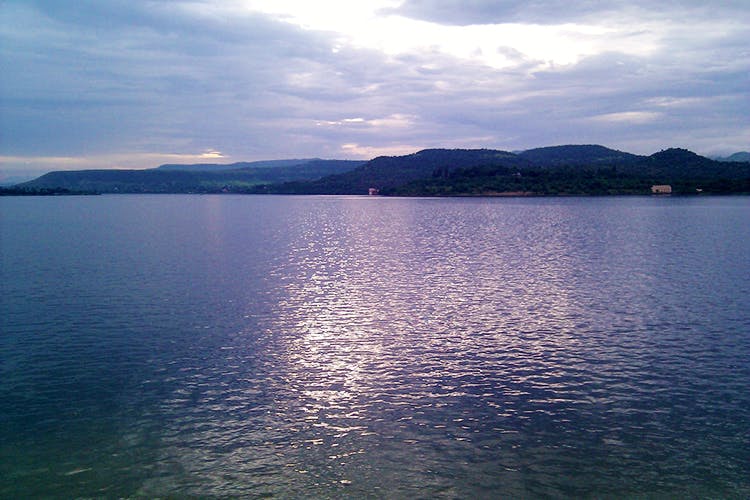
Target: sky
138, 83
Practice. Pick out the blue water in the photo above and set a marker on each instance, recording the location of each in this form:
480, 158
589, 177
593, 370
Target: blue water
374, 348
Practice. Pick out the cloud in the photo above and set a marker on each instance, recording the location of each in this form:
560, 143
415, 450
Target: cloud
116, 83
175, 79
355, 150
396, 120
629, 117
467, 12
212, 154
41, 164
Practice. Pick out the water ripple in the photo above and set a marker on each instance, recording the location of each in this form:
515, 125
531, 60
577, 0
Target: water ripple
334, 346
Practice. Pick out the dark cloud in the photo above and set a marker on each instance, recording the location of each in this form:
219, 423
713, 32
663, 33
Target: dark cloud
91, 78
152, 69
466, 12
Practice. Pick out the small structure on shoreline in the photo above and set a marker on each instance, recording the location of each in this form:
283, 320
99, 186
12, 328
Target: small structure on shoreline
373, 191
661, 189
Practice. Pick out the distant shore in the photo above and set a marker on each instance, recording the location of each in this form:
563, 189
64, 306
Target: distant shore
22, 191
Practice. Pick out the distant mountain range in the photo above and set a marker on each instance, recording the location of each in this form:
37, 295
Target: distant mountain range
557, 170
244, 165
198, 178
742, 156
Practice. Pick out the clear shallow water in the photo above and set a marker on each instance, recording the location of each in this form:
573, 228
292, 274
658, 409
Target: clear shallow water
369, 347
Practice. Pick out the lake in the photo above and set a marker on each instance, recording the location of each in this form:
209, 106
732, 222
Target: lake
369, 347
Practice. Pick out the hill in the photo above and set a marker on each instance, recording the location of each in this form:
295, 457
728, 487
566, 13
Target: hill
590, 170
556, 170
194, 180
742, 156
214, 167
387, 173
577, 155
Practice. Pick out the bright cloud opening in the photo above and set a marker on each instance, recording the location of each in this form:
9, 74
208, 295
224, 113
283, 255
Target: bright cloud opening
396, 120
368, 24
368, 152
211, 154
632, 117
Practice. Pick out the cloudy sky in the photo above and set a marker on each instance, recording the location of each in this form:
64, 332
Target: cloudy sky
137, 83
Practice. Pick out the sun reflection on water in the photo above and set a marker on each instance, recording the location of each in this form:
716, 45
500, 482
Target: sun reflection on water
329, 347
473, 345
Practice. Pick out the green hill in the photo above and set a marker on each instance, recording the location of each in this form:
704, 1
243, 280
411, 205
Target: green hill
742, 156
577, 155
195, 180
589, 170
557, 170
388, 173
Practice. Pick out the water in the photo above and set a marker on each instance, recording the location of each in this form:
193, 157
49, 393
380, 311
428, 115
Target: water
374, 348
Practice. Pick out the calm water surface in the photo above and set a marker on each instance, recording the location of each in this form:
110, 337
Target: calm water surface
374, 348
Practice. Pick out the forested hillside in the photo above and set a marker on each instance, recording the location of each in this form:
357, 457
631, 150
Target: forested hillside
558, 170
196, 179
